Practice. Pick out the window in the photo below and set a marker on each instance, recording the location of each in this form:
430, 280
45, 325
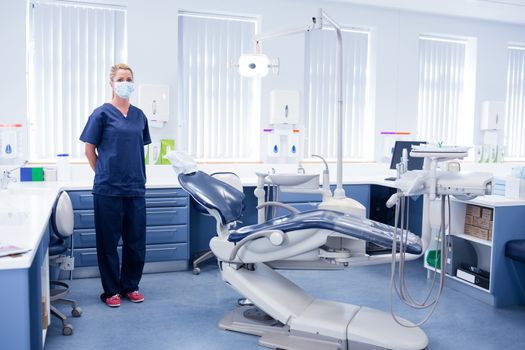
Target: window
219, 109
71, 47
446, 85
321, 96
515, 103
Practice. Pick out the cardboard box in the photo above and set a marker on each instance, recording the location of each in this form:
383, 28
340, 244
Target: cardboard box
473, 210
487, 213
478, 232
482, 222
469, 219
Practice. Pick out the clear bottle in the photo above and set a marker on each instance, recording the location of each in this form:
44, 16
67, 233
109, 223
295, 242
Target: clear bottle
63, 167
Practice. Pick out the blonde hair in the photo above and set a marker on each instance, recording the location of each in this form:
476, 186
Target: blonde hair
116, 67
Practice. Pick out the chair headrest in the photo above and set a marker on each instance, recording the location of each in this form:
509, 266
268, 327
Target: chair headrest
214, 194
62, 218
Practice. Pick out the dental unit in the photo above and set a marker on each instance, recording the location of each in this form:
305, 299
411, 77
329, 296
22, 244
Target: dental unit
283, 315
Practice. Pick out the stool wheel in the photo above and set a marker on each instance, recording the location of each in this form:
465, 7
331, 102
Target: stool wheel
67, 330
76, 312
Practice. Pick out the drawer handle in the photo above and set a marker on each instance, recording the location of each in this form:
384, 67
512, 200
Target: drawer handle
161, 200
87, 234
160, 249
165, 194
163, 212
87, 214
152, 229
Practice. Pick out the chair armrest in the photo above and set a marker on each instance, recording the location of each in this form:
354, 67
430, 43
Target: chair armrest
276, 237
280, 205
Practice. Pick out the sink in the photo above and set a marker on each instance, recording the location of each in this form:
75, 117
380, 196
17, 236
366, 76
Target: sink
294, 179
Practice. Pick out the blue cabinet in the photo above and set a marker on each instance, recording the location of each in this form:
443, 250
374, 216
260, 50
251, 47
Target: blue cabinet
303, 202
167, 226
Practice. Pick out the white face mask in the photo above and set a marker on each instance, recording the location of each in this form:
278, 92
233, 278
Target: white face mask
123, 89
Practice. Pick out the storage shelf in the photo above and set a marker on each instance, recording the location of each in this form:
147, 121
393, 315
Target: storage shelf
469, 284
473, 239
431, 269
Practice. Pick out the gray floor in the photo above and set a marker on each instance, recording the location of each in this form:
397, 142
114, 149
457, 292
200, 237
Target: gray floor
181, 312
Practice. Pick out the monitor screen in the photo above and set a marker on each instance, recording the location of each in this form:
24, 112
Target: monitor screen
413, 163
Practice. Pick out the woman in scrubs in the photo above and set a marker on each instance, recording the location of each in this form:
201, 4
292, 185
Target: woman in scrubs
115, 135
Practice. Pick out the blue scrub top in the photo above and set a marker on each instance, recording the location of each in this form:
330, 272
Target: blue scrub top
119, 140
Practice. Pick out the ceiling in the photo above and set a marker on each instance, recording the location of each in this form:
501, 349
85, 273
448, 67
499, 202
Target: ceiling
511, 11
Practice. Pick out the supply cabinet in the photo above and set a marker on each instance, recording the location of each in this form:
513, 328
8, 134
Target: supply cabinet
472, 242
167, 231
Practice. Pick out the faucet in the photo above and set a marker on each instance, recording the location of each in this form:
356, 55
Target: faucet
7, 177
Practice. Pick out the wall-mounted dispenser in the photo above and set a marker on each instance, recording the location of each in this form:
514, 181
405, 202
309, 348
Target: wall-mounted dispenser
154, 100
284, 142
284, 107
10, 141
492, 119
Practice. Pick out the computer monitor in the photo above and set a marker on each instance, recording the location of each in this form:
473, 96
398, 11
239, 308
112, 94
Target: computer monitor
413, 163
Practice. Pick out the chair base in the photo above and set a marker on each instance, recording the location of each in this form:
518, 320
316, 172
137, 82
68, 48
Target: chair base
57, 297
202, 258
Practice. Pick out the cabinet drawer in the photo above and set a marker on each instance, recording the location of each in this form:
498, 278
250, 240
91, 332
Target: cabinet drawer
165, 192
167, 216
161, 197
81, 199
152, 202
167, 252
166, 234
84, 218
154, 253
86, 238
154, 217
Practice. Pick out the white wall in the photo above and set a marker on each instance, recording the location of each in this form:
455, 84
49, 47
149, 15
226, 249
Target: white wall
152, 33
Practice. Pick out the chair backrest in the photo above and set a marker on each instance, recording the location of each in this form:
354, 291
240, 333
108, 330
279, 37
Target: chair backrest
230, 178
214, 194
62, 218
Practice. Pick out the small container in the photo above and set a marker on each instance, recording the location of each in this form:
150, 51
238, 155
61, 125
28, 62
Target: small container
63, 167
50, 174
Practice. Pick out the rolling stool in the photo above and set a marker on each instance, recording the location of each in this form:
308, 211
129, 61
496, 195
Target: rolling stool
231, 179
62, 227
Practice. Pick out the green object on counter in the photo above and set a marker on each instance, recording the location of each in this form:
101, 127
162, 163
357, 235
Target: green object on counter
166, 146
37, 174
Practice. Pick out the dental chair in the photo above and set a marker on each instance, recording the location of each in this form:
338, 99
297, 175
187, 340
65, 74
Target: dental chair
62, 228
231, 179
284, 315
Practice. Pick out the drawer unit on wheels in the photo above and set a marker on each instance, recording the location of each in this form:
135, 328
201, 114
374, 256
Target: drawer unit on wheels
167, 231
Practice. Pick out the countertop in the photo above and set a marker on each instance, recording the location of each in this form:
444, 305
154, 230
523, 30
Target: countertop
25, 207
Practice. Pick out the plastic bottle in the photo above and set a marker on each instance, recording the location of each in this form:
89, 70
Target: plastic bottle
63, 167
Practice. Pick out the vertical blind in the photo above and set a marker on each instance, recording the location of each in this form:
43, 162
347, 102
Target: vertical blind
321, 95
515, 103
70, 51
220, 118
441, 89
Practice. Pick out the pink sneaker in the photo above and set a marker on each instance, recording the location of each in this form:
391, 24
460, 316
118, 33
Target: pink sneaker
135, 297
113, 301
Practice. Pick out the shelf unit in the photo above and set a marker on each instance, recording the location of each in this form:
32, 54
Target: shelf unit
488, 255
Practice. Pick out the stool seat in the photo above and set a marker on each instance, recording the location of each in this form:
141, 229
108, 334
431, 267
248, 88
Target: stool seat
516, 250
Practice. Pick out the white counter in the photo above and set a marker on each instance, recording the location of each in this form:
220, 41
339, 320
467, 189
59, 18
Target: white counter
26, 207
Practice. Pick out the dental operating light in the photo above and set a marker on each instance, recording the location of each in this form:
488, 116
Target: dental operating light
256, 65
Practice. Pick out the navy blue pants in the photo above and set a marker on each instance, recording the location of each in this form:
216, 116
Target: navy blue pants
117, 217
